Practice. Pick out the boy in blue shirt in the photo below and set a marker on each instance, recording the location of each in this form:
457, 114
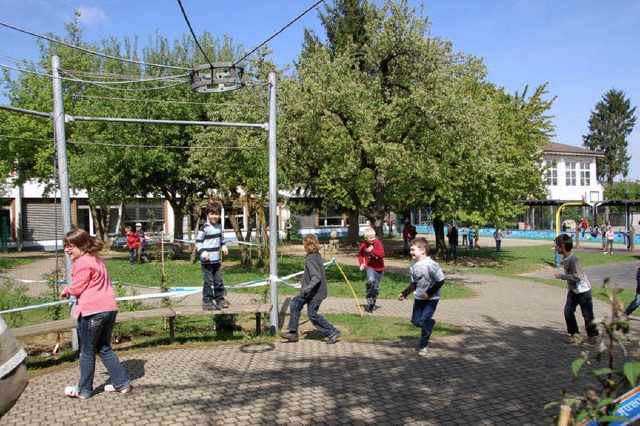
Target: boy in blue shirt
209, 243
426, 280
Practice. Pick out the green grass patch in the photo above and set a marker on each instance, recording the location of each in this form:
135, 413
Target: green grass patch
368, 328
7, 262
519, 260
181, 273
151, 333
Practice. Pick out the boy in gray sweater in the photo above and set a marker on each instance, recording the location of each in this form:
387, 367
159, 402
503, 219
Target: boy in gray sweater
578, 294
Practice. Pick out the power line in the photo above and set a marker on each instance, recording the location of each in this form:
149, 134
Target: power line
184, 13
140, 80
99, 84
276, 34
106, 98
104, 55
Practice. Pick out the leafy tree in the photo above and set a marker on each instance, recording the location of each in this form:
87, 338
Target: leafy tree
610, 125
386, 119
623, 190
235, 161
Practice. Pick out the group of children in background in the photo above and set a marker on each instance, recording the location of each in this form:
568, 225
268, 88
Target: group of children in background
135, 244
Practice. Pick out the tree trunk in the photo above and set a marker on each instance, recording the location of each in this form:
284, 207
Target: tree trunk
245, 260
438, 228
353, 231
178, 219
119, 225
101, 218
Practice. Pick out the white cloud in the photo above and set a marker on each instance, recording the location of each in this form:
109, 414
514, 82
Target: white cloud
91, 15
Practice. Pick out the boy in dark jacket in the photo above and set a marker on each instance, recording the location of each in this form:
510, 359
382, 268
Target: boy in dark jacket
313, 290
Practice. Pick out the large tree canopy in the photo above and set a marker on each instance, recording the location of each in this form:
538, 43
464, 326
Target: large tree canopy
386, 118
610, 125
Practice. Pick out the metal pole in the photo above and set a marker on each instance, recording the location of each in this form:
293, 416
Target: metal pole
273, 204
63, 169
558, 212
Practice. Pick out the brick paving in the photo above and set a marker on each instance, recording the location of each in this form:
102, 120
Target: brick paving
506, 365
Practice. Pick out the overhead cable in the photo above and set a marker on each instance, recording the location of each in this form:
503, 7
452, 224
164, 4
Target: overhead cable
278, 33
167, 101
103, 84
184, 13
93, 52
140, 80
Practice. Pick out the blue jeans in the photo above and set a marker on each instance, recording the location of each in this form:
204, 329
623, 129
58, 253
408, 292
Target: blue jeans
422, 317
213, 286
633, 305
453, 250
373, 283
318, 321
585, 301
470, 242
94, 332
498, 244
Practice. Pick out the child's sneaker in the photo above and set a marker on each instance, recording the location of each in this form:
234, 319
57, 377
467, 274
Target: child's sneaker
73, 392
210, 307
573, 339
592, 340
334, 337
423, 351
291, 336
111, 388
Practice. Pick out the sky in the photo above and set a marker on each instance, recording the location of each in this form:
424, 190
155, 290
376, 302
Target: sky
581, 48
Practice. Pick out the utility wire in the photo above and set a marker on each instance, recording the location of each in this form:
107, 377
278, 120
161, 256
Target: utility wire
106, 98
99, 84
140, 80
184, 13
276, 34
93, 52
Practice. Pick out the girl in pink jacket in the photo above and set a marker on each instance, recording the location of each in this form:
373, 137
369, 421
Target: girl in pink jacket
96, 312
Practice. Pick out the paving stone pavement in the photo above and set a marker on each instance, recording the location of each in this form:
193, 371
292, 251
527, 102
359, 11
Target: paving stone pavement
507, 364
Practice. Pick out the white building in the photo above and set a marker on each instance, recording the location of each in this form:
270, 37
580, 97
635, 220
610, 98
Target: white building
571, 173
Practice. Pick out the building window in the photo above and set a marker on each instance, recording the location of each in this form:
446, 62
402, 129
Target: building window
585, 174
570, 173
552, 175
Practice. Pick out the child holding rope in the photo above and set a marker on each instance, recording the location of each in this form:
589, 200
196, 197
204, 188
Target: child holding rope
313, 290
96, 312
371, 259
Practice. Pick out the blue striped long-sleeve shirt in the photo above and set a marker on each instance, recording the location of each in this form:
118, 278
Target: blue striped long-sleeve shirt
209, 241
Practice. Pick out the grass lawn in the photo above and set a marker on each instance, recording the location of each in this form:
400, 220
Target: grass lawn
8, 262
182, 273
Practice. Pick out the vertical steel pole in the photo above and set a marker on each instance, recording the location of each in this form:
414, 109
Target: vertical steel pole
273, 204
63, 169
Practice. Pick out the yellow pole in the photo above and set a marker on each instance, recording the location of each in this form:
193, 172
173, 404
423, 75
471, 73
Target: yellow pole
350, 286
570, 203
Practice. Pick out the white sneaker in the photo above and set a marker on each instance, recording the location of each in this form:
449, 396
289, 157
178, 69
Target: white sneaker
423, 351
73, 392
111, 388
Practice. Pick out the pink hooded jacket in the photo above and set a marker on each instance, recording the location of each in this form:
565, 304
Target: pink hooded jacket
91, 285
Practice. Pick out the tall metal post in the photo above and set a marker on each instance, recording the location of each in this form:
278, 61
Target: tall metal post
273, 205
63, 169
